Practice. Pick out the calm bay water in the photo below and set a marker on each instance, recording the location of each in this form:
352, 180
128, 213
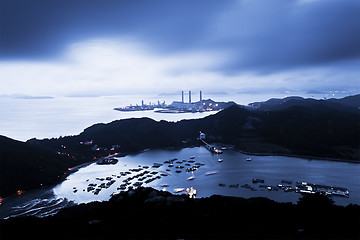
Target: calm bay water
235, 169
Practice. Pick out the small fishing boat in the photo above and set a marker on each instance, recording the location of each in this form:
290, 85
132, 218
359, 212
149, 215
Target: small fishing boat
220, 160
211, 172
191, 178
248, 159
177, 190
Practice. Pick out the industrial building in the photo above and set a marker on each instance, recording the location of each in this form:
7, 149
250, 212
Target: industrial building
177, 106
187, 106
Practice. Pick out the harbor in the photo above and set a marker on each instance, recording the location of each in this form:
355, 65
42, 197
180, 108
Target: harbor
209, 147
280, 178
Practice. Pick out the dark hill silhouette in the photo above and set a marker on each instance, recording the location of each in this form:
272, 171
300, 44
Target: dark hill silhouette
349, 104
319, 131
133, 134
24, 166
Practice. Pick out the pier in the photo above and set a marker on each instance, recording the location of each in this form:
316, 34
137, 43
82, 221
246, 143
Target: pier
211, 148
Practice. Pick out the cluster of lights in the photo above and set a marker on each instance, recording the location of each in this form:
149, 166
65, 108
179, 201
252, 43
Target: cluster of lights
20, 192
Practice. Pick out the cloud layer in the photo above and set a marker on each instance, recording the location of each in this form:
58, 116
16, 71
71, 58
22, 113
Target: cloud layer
84, 47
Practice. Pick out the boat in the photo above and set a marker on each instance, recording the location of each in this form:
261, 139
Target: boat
258, 180
107, 161
211, 172
191, 178
248, 159
192, 157
217, 151
157, 165
177, 190
220, 160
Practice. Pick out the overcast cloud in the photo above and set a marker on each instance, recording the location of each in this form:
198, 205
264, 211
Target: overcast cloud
102, 47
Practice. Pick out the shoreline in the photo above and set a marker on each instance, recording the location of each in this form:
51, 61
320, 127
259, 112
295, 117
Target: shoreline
235, 148
298, 156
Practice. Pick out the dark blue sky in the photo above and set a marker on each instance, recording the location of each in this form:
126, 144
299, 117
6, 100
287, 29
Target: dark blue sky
299, 44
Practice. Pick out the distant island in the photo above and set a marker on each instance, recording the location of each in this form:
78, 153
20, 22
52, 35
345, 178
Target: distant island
179, 107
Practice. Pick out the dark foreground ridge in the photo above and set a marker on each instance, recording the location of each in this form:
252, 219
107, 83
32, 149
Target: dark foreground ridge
148, 213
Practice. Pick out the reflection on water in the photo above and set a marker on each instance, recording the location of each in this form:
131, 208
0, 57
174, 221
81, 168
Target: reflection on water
167, 170
40, 203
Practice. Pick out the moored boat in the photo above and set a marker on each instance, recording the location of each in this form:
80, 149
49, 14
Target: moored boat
191, 178
177, 190
211, 172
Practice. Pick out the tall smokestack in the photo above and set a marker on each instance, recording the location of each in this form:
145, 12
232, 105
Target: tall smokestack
189, 96
182, 96
200, 96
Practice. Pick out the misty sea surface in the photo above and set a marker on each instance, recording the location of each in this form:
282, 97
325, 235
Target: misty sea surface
23, 118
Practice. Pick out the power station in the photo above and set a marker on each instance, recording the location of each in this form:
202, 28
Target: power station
177, 106
182, 96
187, 106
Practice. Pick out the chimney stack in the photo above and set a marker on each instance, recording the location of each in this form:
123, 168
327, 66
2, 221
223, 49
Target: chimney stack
200, 96
189, 96
182, 96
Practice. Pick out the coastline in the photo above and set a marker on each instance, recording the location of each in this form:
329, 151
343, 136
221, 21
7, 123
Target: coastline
298, 156
236, 148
